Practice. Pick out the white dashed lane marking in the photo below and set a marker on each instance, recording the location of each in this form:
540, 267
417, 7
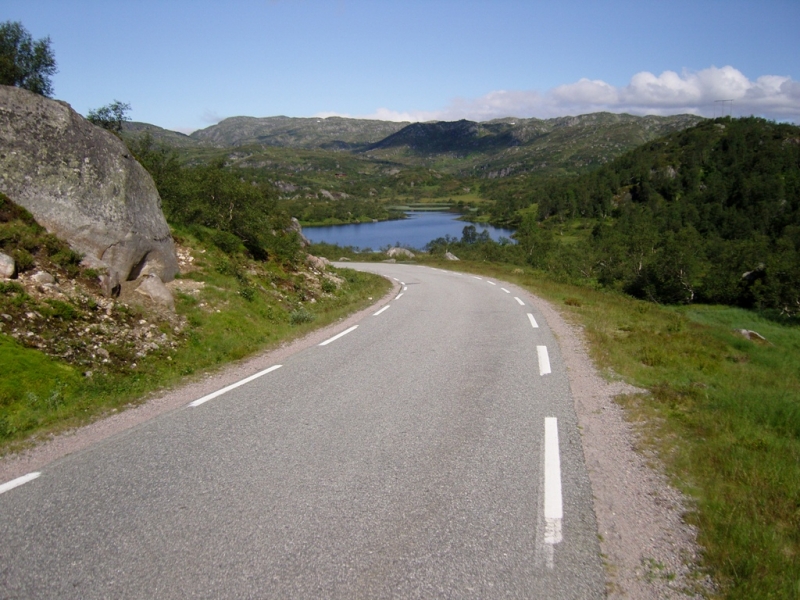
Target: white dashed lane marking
10, 485
553, 505
534, 324
233, 386
544, 360
338, 335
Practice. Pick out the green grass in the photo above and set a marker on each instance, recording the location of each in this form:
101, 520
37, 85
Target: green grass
33, 389
722, 412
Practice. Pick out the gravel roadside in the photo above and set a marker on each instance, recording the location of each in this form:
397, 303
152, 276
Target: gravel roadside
649, 551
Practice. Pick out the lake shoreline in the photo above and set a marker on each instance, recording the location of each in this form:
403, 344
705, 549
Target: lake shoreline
415, 231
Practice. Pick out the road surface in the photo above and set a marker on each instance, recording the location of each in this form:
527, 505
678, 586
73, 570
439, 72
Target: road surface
429, 451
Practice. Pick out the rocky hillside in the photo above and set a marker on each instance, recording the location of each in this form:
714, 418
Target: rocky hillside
159, 134
487, 150
504, 147
333, 133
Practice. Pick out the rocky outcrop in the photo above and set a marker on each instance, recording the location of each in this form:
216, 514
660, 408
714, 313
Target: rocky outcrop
318, 263
81, 183
399, 253
153, 288
298, 229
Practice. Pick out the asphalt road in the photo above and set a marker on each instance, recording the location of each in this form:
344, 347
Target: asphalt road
405, 459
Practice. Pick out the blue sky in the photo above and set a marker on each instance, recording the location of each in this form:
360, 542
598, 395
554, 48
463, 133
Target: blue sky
185, 64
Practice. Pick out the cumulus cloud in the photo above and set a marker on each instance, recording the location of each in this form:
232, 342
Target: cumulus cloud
772, 96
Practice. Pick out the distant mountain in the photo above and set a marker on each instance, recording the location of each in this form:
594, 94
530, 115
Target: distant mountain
501, 147
494, 149
159, 134
332, 133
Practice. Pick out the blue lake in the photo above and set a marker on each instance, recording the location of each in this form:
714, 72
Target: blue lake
414, 232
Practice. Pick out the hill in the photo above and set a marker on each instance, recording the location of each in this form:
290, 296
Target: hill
332, 133
506, 147
135, 129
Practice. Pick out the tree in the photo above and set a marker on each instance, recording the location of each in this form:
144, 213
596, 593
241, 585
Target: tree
23, 62
111, 116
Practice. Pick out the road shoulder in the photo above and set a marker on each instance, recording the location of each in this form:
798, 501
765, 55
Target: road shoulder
648, 549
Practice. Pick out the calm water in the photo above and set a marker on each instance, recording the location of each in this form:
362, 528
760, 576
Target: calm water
414, 232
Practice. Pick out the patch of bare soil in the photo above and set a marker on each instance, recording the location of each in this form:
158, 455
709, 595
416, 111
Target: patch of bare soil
649, 551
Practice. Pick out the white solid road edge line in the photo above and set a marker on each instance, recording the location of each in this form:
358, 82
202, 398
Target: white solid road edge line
338, 335
10, 485
521, 303
544, 360
381, 310
233, 386
553, 507
534, 324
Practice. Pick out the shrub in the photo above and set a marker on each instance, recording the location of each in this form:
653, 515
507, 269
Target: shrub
301, 315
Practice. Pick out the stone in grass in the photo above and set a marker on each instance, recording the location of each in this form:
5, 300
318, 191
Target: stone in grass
752, 335
43, 278
7, 266
152, 287
399, 253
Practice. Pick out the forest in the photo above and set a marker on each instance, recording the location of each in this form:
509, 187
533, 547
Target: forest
708, 214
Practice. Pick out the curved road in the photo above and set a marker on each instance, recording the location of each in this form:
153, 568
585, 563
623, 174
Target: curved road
430, 452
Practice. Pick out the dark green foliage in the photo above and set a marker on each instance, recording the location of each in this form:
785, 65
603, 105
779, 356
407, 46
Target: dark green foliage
235, 213
111, 116
24, 62
708, 214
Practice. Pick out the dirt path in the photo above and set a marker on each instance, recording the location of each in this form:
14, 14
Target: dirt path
646, 545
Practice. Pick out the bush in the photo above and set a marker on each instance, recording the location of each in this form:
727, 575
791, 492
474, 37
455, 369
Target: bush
301, 315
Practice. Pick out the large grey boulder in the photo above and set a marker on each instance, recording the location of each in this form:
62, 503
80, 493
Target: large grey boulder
81, 183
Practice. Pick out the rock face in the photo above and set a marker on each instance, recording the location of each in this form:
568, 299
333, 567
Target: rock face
81, 183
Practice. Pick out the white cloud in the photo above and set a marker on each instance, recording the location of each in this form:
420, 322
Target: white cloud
772, 96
